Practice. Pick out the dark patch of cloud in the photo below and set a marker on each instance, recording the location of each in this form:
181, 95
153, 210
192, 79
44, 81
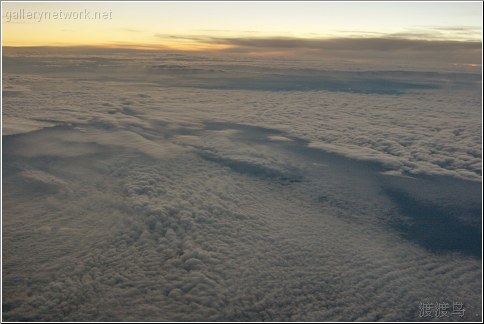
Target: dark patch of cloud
252, 169
436, 227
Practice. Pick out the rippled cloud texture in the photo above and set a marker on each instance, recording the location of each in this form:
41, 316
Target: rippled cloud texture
152, 186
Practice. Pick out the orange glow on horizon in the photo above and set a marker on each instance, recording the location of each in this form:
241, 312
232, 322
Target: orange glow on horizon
171, 24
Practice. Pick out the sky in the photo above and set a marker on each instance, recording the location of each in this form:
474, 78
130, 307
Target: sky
189, 25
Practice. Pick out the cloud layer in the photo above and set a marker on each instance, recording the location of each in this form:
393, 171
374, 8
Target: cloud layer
415, 121
350, 44
417, 46
131, 192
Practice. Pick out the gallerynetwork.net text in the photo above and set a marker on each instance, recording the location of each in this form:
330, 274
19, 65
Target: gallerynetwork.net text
39, 16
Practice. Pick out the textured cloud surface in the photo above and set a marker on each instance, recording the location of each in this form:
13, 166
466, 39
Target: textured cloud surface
174, 187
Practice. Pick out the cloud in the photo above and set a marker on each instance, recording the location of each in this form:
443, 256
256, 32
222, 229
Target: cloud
469, 30
155, 238
350, 44
409, 41
418, 45
427, 144
426, 33
134, 196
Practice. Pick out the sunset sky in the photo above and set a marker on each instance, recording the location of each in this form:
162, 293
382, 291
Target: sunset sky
189, 25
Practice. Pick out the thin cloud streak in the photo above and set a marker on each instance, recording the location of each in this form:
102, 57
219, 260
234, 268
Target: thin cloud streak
375, 43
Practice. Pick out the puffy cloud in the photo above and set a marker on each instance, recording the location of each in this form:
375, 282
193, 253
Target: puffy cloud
128, 200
